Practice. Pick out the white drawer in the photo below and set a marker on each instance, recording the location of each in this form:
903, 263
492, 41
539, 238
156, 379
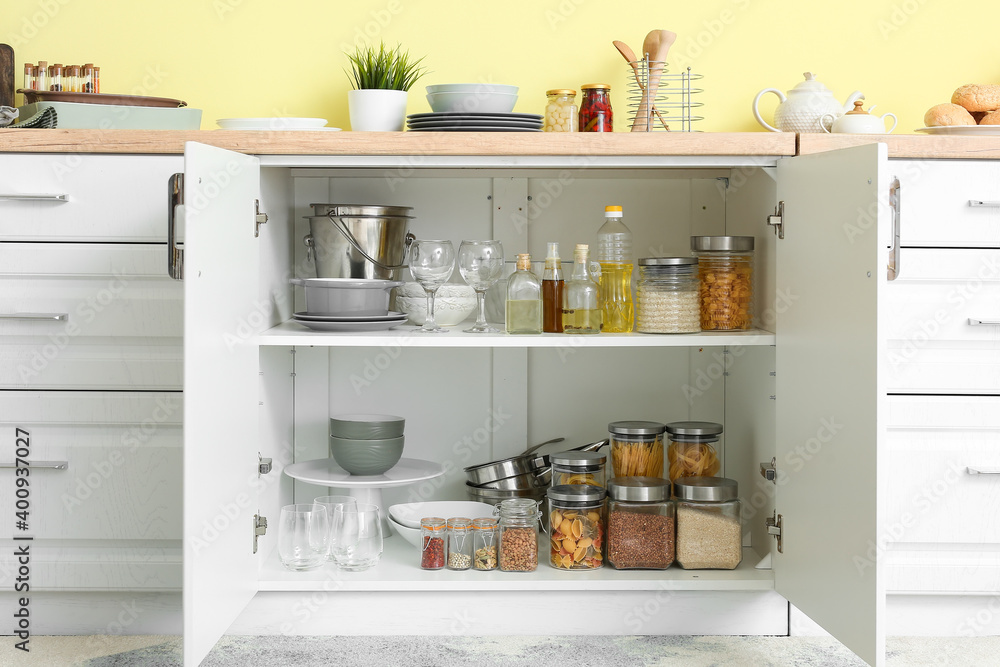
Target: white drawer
108, 197
121, 317
934, 203
123, 450
933, 442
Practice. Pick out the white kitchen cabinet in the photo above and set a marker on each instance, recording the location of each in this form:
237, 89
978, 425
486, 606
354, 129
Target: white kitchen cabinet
807, 389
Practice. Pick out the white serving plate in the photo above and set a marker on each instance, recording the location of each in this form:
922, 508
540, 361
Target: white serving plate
963, 130
273, 124
410, 514
393, 316
342, 326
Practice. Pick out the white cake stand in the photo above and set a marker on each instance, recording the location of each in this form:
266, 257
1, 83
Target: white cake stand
366, 488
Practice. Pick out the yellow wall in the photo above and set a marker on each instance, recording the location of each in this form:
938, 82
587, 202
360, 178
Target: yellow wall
235, 58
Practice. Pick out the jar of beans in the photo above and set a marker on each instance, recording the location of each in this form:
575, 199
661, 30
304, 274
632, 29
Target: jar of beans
459, 543
578, 468
667, 295
433, 531
484, 544
576, 527
518, 530
709, 523
560, 111
725, 274
595, 109
640, 523
691, 452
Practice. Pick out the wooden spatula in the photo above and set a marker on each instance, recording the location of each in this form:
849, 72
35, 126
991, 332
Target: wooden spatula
655, 47
630, 58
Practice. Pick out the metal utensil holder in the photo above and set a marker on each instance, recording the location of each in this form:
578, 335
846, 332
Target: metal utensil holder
671, 107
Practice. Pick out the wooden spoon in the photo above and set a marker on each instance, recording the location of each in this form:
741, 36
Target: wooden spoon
655, 47
630, 58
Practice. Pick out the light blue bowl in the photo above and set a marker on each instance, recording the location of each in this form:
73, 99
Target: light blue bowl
366, 457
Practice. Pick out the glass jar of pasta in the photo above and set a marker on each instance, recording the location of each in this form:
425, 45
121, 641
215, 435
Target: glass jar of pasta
636, 448
576, 527
691, 452
578, 468
725, 274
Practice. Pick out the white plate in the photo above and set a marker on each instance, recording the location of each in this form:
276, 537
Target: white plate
273, 124
326, 472
340, 327
964, 130
474, 128
410, 514
391, 317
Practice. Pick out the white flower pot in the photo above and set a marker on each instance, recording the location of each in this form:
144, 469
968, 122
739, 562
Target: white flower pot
377, 110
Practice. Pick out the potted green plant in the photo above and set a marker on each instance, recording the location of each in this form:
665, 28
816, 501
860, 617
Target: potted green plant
380, 77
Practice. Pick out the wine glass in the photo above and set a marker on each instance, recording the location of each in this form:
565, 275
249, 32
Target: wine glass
431, 264
481, 264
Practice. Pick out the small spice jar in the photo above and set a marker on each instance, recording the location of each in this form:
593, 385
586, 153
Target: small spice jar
518, 529
636, 448
595, 109
578, 468
640, 523
725, 272
433, 531
576, 527
560, 111
484, 544
709, 523
667, 295
691, 452
459, 543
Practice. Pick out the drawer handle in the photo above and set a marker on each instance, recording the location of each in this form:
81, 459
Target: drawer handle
34, 197
55, 465
973, 322
36, 317
894, 200
975, 203
982, 471
175, 249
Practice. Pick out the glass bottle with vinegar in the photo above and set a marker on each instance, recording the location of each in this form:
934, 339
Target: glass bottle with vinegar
581, 312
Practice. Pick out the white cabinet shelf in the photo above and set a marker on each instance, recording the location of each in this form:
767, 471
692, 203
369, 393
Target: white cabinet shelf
399, 570
290, 333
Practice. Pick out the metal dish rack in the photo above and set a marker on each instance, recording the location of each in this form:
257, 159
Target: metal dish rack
674, 98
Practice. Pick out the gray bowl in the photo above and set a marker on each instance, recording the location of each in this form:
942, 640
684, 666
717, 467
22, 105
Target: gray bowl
366, 457
366, 427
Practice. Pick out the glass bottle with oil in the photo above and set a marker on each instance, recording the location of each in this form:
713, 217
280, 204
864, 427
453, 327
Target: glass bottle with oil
552, 291
581, 312
614, 253
524, 299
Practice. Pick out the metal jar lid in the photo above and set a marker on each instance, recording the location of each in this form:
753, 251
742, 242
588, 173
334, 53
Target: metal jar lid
362, 210
635, 428
722, 243
561, 91
694, 431
707, 489
578, 458
668, 261
639, 489
577, 493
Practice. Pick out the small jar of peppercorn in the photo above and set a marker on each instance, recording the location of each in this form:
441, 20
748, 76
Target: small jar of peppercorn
595, 109
433, 531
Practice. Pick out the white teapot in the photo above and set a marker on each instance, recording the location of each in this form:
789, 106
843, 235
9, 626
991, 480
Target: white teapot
804, 107
858, 121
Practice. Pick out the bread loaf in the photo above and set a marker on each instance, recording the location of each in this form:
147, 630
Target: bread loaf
948, 114
992, 118
977, 97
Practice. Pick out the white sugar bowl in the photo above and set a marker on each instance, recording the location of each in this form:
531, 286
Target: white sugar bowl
859, 121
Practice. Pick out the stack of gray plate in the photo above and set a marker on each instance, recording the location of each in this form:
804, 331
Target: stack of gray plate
465, 121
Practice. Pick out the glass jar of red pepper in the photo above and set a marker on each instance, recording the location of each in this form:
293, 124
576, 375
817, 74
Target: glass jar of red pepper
432, 533
595, 109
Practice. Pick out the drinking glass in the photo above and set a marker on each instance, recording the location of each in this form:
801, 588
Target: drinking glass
331, 503
303, 536
481, 264
431, 264
357, 533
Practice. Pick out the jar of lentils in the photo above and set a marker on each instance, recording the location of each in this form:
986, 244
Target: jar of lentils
667, 295
518, 535
725, 272
640, 523
560, 111
576, 527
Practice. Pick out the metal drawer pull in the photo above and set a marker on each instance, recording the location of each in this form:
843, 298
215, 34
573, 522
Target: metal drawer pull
975, 203
175, 248
36, 317
55, 465
34, 197
983, 323
982, 471
895, 195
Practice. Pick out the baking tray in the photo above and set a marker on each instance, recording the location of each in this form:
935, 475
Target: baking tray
71, 116
32, 96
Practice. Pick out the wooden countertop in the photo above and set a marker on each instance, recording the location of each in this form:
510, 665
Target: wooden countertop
400, 143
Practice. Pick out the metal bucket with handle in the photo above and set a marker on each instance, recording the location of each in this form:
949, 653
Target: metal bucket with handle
358, 241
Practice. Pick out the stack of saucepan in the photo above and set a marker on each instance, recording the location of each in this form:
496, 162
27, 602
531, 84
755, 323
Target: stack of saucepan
524, 476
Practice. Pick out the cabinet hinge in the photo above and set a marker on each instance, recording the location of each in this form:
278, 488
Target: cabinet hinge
258, 218
777, 220
768, 470
259, 528
774, 528
263, 465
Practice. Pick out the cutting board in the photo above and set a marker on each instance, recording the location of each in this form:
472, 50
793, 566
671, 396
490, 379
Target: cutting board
6, 75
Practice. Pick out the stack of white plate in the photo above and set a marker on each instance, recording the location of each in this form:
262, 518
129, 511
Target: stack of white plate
276, 124
463, 121
349, 322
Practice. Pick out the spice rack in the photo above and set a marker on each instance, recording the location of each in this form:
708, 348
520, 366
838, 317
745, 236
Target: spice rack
671, 108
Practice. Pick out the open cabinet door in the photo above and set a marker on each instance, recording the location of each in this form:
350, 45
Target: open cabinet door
221, 260
831, 268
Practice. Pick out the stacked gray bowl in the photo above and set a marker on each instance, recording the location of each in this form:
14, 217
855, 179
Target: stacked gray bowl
366, 444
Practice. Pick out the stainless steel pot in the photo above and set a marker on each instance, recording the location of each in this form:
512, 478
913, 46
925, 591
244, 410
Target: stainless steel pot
539, 479
524, 464
358, 241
